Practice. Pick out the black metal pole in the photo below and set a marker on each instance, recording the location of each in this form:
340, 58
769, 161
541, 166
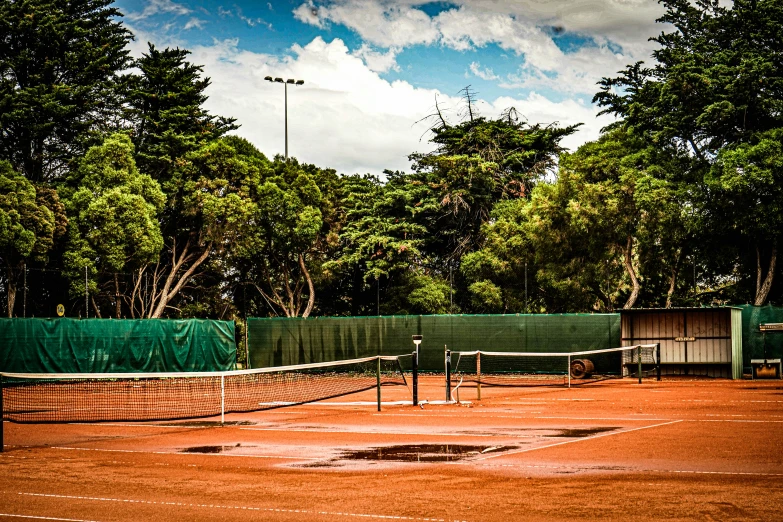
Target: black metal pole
448, 375
378, 381
658, 360
2, 440
639, 362
415, 357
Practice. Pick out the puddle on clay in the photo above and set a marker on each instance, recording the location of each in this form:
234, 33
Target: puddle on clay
209, 449
582, 432
423, 452
209, 424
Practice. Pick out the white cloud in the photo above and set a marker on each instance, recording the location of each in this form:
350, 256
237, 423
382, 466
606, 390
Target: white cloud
384, 24
484, 74
194, 23
615, 31
626, 22
378, 61
154, 7
345, 116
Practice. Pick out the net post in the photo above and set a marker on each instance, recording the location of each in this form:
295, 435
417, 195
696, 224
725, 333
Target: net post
639, 362
568, 370
2, 440
415, 357
448, 375
658, 360
478, 376
378, 380
222, 400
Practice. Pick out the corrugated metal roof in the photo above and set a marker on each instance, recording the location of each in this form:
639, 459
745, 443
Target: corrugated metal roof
680, 309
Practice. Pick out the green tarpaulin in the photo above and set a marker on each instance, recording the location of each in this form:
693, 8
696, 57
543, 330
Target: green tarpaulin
113, 345
283, 341
755, 343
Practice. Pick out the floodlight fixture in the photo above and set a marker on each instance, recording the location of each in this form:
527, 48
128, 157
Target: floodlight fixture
285, 83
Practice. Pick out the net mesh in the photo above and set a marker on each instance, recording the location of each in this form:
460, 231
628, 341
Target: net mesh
554, 369
121, 397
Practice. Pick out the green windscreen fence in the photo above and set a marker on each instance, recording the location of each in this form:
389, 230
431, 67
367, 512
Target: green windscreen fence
115, 346
755, 343
284, 341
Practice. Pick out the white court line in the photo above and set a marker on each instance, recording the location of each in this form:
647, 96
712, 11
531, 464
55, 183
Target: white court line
33, 517
351, 432
525, 417
628, 470
135, 425
182, 453
307, 512
575, 440
630, 419
356, 403
735, 420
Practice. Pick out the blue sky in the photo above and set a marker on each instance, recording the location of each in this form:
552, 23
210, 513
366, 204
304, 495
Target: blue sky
373, 68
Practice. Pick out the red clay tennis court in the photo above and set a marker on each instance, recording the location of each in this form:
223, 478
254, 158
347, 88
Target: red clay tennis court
614, 450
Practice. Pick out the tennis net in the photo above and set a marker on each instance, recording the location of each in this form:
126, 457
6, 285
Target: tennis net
480, 368
41, 398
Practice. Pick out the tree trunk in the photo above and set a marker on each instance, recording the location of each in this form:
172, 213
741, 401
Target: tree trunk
95, 307
11, 287
117, 303
672, 285
311, 288
763, 287
628, 262
174, 284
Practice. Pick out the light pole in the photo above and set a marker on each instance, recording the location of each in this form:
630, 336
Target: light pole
285, 88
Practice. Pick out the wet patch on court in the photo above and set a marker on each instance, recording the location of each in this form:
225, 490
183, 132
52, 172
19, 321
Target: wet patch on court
577, 433
423, 452
210, 449
209, 424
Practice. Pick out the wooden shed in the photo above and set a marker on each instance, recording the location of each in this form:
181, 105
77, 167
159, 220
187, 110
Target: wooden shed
694, 341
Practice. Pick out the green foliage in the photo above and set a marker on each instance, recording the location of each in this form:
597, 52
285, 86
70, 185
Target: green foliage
717, 79
114, 214
30, 221
60, 62
714, 91
289, 239
166, 107
27, 225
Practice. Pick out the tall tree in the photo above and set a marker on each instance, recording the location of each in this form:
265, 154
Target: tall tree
30, 221
114, 219
477, 163
750, 176
717, 83
60, 62
211, 210
166, 107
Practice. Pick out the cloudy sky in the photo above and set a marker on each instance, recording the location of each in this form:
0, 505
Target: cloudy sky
372, 69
